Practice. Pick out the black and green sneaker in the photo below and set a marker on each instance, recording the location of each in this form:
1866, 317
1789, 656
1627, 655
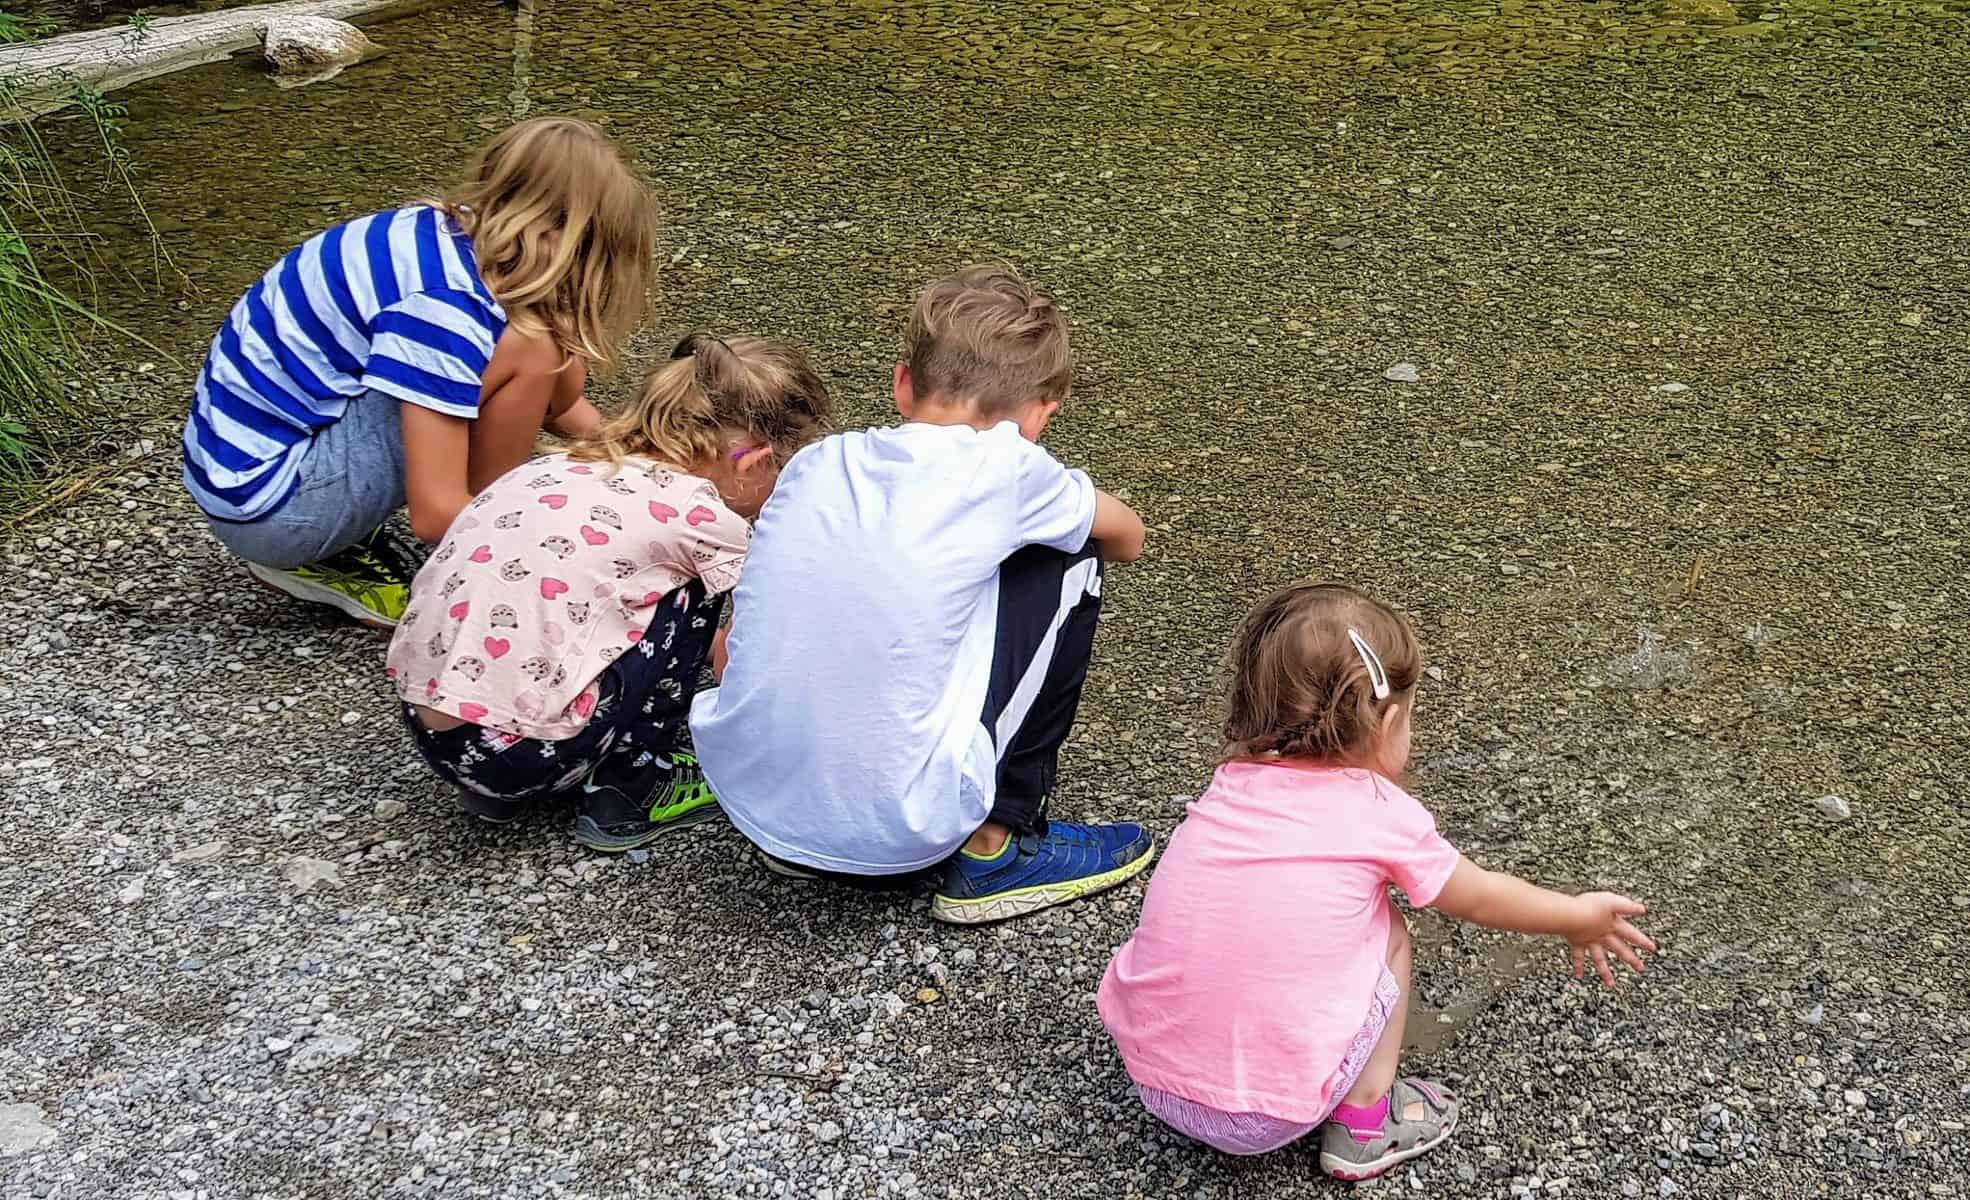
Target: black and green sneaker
628, 803
369, 581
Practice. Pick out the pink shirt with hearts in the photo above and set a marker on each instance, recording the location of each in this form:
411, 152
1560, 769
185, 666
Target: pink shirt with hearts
545, 578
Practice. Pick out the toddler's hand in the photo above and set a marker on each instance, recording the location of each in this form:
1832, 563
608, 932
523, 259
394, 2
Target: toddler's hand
1601, 928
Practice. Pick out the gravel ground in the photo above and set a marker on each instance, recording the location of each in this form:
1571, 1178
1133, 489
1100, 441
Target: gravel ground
1677, 497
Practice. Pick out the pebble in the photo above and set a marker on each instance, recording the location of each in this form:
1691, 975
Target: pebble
1833, 808
389, 809
321, 1050
305, 873
23, 1127
1403, 372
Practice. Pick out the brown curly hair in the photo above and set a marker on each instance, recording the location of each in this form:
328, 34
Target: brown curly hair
1301, 690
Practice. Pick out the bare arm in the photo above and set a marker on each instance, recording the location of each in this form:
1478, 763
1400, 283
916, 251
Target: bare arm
435, 480
570, 414
524, 383
1594, 924
448, 460
719, 655
1117, 527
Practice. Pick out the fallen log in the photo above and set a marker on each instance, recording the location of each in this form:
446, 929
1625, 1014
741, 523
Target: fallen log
41, 76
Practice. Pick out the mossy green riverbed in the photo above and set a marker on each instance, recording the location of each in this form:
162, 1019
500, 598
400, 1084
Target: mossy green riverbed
1678, 497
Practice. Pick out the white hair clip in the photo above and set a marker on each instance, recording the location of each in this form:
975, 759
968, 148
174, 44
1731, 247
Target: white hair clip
1377, 677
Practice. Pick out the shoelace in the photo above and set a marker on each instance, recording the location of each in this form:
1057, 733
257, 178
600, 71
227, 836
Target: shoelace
366, 590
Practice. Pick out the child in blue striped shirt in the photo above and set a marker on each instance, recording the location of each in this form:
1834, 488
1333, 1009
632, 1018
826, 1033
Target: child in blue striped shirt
412, 357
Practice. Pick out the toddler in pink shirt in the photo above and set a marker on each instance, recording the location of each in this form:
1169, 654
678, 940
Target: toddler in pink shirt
1264, 992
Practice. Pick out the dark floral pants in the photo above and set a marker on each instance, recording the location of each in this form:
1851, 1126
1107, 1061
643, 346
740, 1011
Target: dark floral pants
643, 701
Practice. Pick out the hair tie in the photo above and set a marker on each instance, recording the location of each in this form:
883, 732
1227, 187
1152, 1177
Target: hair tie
689, 345
1378, 679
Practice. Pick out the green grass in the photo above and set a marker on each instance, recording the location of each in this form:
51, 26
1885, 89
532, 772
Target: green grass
49, 408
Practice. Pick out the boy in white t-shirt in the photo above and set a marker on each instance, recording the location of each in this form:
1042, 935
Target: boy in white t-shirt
914, 624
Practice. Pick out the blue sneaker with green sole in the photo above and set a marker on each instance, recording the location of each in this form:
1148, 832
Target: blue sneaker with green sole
1036, 871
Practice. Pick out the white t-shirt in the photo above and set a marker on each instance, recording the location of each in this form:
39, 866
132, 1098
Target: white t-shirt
847, 732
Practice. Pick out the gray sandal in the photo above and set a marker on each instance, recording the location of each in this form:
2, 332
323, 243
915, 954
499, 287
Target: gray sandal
1345, 1156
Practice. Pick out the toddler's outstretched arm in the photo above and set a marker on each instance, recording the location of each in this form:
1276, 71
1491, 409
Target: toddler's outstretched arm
1595, 924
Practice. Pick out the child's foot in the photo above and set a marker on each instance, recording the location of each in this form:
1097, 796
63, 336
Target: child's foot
369, 581
628, 805
1415, 1117
1030, 873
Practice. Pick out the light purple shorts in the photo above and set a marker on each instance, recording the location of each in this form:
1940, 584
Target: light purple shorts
1261, 1133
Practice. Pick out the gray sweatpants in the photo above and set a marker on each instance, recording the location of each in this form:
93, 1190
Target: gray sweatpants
352, 479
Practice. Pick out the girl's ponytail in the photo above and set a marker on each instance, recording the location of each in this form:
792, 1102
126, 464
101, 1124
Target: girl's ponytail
715, 391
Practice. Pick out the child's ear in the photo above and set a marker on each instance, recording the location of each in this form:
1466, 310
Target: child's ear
1037, 416
905, 390
755, 459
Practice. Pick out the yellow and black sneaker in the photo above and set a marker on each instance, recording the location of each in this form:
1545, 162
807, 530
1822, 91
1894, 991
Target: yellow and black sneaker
369, 581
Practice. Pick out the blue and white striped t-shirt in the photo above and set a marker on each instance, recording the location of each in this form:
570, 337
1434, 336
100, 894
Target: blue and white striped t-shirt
391, 303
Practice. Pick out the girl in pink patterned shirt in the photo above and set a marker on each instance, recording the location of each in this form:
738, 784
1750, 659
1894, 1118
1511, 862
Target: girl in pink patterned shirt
555, 637
1264, 992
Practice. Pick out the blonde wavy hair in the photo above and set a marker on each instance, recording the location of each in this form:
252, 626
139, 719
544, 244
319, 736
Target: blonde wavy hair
711, 393
564, 232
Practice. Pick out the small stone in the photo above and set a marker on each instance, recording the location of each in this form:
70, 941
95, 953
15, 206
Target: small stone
1667, 1187
201, 853
132, 891
389, 810
1855, 1098
638, 857
1511, 569
1631, 1188
1342, 241
828, 1132
318, 1052
305, 873
1834, 808
1403, 372
278, 1045
529, 1004
927, 996
312, 47
1814, 1015
23, 1127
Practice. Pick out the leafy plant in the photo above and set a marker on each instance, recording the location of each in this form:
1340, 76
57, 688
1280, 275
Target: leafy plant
46, 405
138, 31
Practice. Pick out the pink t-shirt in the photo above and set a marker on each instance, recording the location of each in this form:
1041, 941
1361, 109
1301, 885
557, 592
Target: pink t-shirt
545, 578
1264, 932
